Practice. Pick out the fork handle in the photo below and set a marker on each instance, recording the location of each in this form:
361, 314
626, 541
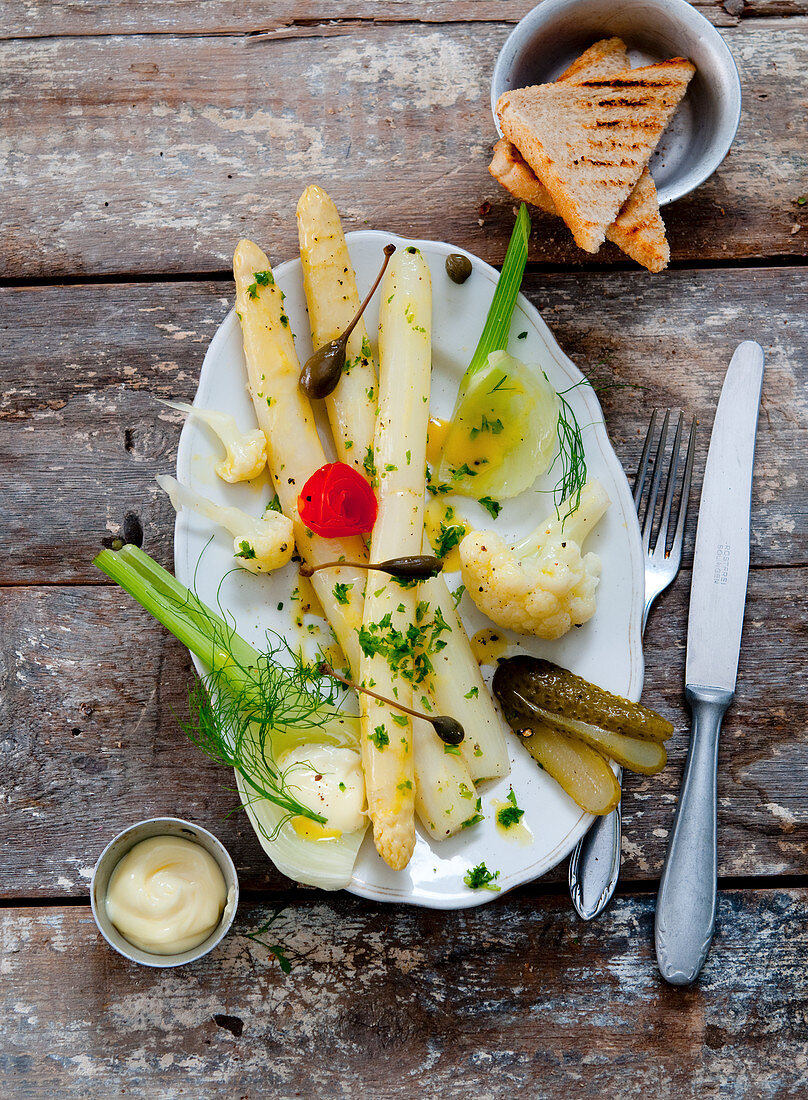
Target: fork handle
595, 866
685, 912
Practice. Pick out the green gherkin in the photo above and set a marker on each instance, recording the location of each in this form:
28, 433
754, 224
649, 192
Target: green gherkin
527, 684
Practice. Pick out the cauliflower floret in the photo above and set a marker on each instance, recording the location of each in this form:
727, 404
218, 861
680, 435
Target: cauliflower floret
261, 544
245, 452
544, 584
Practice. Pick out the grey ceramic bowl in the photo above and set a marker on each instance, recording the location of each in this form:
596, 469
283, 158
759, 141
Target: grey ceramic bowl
701, 132
114, 853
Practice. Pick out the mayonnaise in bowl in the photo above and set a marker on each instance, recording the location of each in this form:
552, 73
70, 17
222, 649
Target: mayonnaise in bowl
164, 892
166, 895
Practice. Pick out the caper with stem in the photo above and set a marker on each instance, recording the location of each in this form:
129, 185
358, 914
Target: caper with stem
418, 567
321, 374
448, 729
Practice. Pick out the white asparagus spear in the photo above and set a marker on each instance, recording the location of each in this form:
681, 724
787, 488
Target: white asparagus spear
333, 300
293, 445
457, 688
405, 354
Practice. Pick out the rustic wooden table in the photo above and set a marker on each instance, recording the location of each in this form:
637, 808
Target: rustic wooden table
139, 141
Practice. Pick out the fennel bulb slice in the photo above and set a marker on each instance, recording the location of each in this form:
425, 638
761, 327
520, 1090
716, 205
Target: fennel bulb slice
503, 433
297, 849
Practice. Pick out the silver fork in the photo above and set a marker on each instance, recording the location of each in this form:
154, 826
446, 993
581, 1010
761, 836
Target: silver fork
595, 863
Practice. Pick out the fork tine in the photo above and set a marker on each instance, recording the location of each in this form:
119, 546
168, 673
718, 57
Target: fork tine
639, 480
678, 537
670, 486
648, 521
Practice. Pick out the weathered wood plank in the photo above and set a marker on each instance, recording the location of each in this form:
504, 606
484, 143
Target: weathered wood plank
35, 18
82, 437
93, 692
517, 998
91, 704
192, 142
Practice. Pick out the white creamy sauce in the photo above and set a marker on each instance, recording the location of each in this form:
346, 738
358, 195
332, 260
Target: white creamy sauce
329, 781
166, 895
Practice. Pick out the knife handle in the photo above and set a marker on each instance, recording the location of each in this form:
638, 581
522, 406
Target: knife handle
685, 912
595, 865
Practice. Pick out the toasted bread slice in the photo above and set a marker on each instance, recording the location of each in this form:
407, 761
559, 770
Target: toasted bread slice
606, 58
508, 168
638, 229
589, 142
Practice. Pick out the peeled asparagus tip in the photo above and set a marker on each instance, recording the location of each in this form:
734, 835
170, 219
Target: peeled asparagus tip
322, 371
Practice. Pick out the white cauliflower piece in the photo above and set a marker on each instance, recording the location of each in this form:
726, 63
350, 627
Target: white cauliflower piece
261, 544
543, 584
245, 452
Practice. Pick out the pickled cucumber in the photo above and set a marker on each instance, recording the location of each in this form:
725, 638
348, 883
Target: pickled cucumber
582, 772
524, 683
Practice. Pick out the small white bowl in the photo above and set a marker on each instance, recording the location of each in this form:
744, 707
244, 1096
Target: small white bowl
114, 853
703, 128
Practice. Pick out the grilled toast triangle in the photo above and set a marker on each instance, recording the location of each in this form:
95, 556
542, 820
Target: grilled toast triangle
588, 142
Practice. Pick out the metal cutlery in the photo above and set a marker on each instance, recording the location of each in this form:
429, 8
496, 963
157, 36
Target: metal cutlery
595, 864
685, 914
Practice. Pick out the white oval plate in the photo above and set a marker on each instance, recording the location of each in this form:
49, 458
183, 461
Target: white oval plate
606, 650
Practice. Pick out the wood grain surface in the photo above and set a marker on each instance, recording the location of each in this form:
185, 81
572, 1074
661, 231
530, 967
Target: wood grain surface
80, 367
95, 693
138, 142
517, 998
188, 143
41, 18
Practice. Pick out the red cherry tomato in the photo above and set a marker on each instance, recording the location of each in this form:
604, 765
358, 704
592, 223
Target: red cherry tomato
337, 501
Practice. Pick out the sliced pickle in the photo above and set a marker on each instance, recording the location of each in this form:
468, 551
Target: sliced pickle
638, 754
530, 684
582, 772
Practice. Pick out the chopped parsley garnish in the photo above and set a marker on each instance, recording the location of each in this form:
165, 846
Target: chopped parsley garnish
365, 350
463, 471
493, 426
341, 592
457, 595
400, 719
509, 815
522, 335
380, 738
368, 463
475, 817
472, 693
406, 785
449, 536
342, 787
274, 505
260, 278
451, 750
493, 507
245, 550
480, 878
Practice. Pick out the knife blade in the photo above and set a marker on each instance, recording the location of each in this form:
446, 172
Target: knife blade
721, 558
686, 904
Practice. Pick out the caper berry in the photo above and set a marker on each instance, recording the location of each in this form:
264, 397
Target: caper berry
458, 267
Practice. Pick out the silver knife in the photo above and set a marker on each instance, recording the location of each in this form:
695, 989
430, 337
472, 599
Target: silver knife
685, 913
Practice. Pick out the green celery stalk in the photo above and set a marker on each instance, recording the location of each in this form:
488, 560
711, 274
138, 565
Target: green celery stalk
233, 662
497, 326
